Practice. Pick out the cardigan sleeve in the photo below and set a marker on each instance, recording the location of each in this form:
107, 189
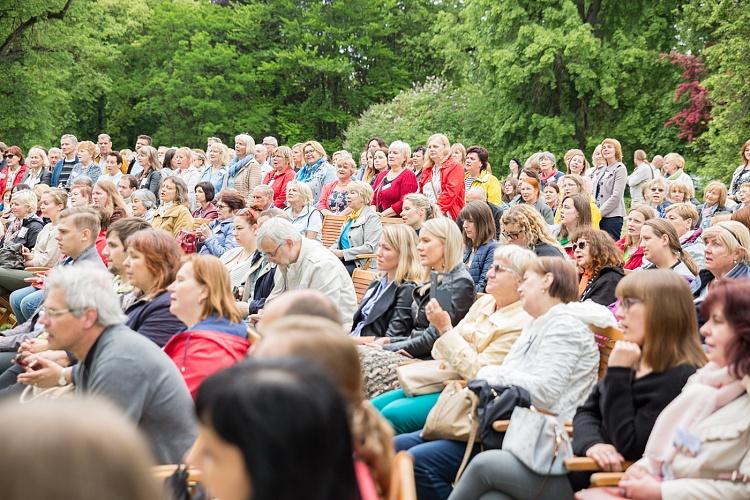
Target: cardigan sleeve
587, 423
324, 194
407, 185
451, 197
371, 237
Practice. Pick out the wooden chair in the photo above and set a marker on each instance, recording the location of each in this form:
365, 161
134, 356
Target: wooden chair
6, 313
161, 472
368, 257
402, 478
605, 341
331, 231
362, 280
586, 464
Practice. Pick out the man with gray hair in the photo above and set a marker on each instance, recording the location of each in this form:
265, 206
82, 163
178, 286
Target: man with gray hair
271, 144
81, 314
104, 143
62, 169
261, 198
306, 264
261, 156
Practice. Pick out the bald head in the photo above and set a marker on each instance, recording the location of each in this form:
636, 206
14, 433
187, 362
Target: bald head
300, 303
476, 194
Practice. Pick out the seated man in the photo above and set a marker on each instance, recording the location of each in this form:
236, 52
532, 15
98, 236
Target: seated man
81, 314
78, 228
305, 263
261, 198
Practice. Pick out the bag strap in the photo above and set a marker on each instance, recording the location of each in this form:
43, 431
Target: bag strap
472, 435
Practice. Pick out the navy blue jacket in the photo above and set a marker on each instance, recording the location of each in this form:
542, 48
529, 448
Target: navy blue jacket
153, 320
480, 264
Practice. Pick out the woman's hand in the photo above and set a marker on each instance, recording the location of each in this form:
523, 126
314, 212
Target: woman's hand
606, 457
26, 254
639, 484
41, 372
338, 253
437, 316
203, 231
625, 355
33, 346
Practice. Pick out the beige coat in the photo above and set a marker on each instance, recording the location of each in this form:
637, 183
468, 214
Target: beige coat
176, 218
482, 338
725, 448
317, 268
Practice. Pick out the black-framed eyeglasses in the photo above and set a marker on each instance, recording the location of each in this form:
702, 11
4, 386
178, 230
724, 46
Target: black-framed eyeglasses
629, 302
273, 254
9, 156
657, 190
221, 205
501, 269
580, 245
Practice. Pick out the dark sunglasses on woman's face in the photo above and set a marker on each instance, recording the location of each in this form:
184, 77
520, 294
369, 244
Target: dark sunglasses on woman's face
579, 245
657, 190
9, 156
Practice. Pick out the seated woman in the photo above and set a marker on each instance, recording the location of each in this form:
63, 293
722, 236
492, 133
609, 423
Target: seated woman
727, 256
646, 371
417, 209
241, 259
153, 258
523, 226
385, 309
630, 244
173, 214
680, 192
684, 217
265, 419
301, 212
26, 225
142, 204
218, 237
482, 338
320, 341
333, 195
599, 265
104, 194
439, 249
361, 231
395, 182
479, 241
662, 249
215, 337
531, 195
80, 196
655, 195
700, 444
555, 359
714, 203
259, 280
204, 197
575, 214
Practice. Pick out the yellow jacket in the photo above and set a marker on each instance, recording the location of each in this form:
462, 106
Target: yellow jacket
175, 219
491, 186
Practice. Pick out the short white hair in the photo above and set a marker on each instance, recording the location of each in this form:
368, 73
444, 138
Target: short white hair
278, 230
303, 189
87, 286
71, 137
249, 141
272, 140
403, 148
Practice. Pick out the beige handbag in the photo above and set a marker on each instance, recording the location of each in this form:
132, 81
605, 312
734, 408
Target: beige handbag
425, 377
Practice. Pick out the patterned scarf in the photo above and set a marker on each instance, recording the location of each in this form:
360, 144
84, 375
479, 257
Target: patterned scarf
306, 173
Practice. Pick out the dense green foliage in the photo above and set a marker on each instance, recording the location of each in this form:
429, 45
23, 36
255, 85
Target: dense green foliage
514, 75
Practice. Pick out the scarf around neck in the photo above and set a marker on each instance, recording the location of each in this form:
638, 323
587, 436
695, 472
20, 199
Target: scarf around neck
306, 172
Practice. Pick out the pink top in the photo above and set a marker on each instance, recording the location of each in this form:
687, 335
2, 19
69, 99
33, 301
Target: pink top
391, 195
367, 488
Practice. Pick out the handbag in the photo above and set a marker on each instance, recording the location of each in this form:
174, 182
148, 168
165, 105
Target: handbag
33, 393
187, 241
425, 377
11, 257
496, 402
539, 441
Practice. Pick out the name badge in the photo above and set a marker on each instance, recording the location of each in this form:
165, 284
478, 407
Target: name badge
686, 442
22, 232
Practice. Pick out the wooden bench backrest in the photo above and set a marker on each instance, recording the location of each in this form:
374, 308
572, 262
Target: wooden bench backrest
362, 280
391, 220
605, 340
402, 478
331, 231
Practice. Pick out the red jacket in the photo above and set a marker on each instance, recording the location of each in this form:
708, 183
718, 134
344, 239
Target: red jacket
451, 198
4, 178
278, 184
199, 354
392, 195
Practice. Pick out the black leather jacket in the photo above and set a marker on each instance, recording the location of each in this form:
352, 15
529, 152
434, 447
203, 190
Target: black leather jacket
423, 336
391, 314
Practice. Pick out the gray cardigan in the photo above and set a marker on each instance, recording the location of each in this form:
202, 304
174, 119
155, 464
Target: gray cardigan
364, 234
609, 190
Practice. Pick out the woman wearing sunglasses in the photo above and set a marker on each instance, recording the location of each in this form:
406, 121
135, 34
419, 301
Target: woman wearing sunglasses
524, 226
655, 194
599, 265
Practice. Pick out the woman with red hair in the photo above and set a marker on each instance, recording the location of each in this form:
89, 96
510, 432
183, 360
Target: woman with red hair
531, 195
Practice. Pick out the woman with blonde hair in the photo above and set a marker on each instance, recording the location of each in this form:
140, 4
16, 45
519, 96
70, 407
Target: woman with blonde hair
442, 179
104, 194
661, 247
609, 188
184, 169
630, 244
282, 172
714, 203
26, 226
316, 172
417, 209
321, 341
680, 192
150, 177
655, 193
458, 152
361, 231
385, 308
215, 171
86, 165
674, 165
202, 299
301, 210
642, 173
333, 195
38, 171
524, 226
243, 171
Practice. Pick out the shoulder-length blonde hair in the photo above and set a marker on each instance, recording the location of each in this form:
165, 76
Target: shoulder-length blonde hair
671, 336
153, 159
404, 239
531, 224
286, 154
209, 272
114, 198
720, 187
681, 187
442, 139
734, 235
446, 230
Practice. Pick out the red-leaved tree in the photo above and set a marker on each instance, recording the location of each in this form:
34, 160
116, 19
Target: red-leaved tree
693, 119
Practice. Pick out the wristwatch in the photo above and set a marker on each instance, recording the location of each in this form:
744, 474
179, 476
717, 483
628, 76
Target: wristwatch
62, 381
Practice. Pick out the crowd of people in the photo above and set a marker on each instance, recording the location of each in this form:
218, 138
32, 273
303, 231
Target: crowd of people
191, 289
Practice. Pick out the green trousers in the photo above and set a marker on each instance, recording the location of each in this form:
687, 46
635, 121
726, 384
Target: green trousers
12, 280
